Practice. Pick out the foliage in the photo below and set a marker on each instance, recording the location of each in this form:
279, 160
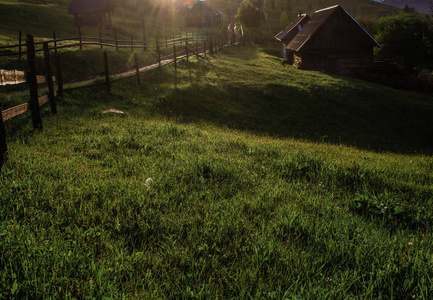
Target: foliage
250, 12
284, 19
408, 36
369, 24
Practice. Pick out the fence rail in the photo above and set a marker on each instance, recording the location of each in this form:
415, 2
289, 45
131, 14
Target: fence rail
15, 111
17, 77
77, 41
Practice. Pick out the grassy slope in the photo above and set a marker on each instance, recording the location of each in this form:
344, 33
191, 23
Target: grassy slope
235, 209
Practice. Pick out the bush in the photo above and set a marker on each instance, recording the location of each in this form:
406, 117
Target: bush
408, 36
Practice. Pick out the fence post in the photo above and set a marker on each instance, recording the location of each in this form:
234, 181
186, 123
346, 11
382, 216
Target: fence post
49, 77
186, 49
137, 68
175, 66
81, 39
143, 28
33, 84
59, 77
19, 42
3, 145
211, 47
216, 45
175, 58
100, 37
159, 54
115, 39
166, 45
107, 74
132, 44
196, 50
204, 48
55, 42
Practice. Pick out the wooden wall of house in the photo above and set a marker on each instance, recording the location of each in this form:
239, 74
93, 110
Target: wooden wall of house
202, 19
351, 61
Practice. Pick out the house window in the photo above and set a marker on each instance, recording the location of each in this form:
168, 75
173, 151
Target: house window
203, 19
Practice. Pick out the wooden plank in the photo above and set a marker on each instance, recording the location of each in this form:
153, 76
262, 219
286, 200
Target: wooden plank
43, 100
12, 112
43, 79
16, 77
11, 77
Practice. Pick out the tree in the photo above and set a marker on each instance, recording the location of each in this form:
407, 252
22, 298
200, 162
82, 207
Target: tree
250, 12
408, 36
284, 19
430, 7
408, 10
272, 3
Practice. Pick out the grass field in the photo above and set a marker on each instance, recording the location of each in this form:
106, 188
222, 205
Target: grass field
230, 178
267, 182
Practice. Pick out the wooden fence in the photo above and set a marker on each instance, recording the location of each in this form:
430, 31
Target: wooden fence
183, 48
78, 41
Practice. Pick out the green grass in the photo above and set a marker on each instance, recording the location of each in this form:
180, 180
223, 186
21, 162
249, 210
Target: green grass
267, 182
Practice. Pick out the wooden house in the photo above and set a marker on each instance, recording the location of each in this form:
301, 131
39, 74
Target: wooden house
93, 13
202, 14
288, 33
332, 41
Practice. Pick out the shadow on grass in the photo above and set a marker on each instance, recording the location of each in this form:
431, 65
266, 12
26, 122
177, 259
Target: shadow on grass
373, 120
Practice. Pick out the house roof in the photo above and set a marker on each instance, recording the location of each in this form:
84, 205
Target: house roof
292, 27
336, 25
87, 6
202, 5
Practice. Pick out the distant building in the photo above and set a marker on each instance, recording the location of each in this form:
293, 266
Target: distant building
332, 41
288, 33
93, 13
202, 14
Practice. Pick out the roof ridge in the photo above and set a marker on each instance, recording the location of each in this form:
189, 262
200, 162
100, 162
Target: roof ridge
326, 8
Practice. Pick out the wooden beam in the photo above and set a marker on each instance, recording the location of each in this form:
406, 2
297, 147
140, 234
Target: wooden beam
3, 145
49, 76
33, 85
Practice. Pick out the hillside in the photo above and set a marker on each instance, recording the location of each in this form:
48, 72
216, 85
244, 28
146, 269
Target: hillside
235, 177
162, 19
420, 6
